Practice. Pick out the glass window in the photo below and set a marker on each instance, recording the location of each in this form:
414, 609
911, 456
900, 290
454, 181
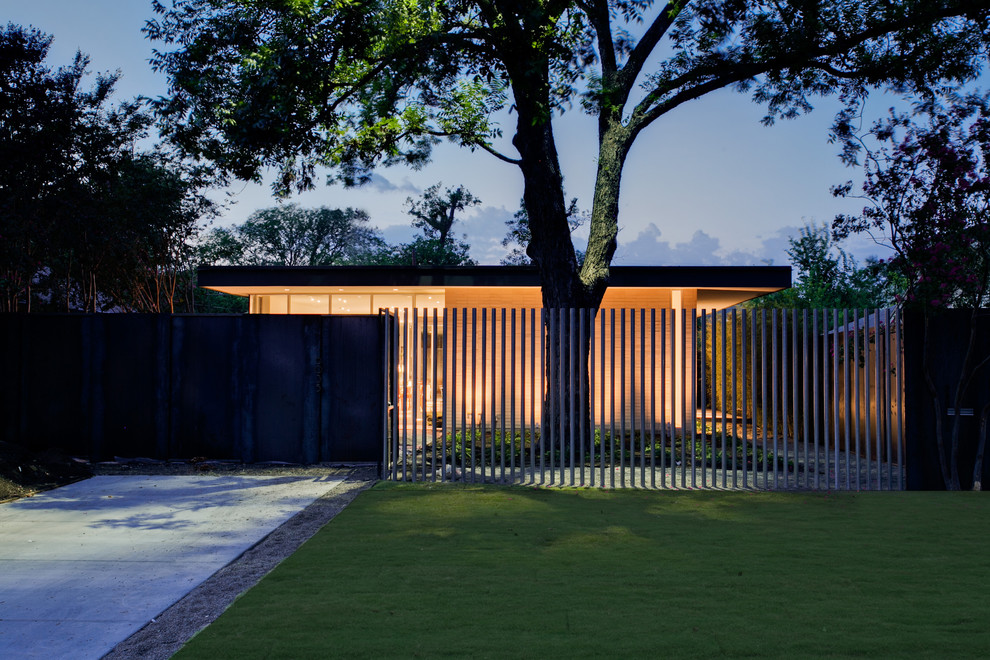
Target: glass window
271, 305
311, 304
346, 303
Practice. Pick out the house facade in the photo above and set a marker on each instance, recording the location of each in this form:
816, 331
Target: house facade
467, 333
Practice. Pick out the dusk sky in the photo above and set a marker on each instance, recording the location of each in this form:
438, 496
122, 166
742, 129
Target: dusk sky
705, 185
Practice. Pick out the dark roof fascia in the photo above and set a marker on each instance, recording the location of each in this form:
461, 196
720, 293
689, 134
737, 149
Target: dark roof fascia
695, 277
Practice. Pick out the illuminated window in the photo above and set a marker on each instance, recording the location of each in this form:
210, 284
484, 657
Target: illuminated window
318, 303
271, 305
347, 303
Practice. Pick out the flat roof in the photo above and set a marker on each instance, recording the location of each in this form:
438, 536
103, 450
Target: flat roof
675, 277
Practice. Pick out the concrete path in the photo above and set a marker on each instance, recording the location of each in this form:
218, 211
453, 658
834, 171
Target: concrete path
84, 566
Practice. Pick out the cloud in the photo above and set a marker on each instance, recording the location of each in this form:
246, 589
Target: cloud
648, 249
485, 229
381, 184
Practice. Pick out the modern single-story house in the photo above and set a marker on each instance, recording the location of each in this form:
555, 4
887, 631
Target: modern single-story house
366, 289
463, 296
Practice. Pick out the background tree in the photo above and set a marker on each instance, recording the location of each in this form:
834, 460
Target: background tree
927, 194
830, 278
290, 235
435, 213
87, 222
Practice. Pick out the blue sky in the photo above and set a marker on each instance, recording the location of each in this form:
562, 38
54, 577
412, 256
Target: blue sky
705, 185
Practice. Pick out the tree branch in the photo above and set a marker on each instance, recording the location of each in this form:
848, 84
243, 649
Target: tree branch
644, 114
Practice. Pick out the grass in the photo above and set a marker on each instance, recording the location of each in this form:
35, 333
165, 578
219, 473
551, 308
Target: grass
419, 570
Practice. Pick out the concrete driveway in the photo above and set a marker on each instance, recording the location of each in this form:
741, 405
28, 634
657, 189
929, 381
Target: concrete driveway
84, 566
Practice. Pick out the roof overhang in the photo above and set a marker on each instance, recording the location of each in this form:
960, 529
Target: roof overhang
246, 280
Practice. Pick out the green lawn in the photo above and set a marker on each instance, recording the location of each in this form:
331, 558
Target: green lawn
438, 570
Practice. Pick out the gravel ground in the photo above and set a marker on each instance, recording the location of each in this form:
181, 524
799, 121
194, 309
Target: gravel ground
166, 633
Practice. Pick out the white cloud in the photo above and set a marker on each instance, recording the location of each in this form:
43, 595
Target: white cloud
380, 184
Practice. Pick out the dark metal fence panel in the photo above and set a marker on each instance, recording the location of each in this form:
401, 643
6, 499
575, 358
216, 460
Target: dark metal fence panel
297, 389
936, 352
353, 379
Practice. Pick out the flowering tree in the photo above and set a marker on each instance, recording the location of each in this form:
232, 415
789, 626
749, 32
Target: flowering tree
927, 193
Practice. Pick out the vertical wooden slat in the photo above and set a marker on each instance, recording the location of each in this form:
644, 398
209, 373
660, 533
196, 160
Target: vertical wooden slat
434, 388
449, 389
501, 412
722, 378
835, 397
611, 421
783, 394
653, 397
512, 399
414, 346
622, 398
846, 391
474, 390
899, 362
763, 394
583, 394
642, 397
743, 408
601, 405
493, 397
815, 385
704, 403
735, 400
482, 455
589, 396
796, 366
867, 437
544, 393
633, 371
888, 397
571, 390
877, 396
856, 412
663, 398
774, 358
691, 341
682, 390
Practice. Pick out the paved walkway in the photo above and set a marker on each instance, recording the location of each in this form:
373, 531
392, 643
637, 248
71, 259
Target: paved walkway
84, 566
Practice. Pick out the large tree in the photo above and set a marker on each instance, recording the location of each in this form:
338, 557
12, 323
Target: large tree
349, 86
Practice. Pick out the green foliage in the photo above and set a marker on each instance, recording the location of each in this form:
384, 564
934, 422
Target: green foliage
290, 235
353, 86
87, 222
828, 277
927, 196
435, 214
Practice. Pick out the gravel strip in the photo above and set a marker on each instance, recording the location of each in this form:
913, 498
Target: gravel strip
166, 633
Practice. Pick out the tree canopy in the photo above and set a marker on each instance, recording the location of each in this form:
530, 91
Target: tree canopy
927, 196
290, 235
348, 87
86, 220
829, 277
